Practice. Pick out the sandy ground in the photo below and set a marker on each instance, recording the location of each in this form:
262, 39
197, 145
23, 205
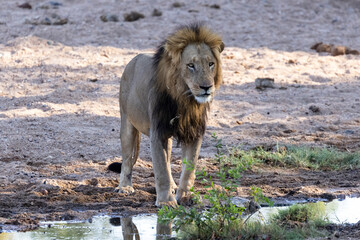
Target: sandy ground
59, 113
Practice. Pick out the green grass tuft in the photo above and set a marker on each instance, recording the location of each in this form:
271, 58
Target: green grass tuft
295, 156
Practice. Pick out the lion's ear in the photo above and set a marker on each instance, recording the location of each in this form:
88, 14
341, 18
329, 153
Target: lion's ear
222, 46
173, 51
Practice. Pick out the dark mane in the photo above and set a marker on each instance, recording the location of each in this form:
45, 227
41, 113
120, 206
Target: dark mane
174, 113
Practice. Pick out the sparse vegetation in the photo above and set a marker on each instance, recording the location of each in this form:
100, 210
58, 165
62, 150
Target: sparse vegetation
219, 218
307, 157
223, 218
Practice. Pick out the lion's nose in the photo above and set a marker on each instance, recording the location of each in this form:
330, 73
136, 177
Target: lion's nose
206, 88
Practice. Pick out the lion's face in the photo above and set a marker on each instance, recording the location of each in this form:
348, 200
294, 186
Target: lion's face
198, 69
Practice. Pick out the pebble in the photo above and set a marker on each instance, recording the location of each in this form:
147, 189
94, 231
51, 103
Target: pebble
50, 5
54, 19
178, 4
314, 109
133, 16
321, 47
338, 50
333, 50
25, 5
262, 83
216, 6
156, 13
109, 18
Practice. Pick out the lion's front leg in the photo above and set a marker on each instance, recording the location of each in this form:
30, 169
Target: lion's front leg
162, 172
190, 154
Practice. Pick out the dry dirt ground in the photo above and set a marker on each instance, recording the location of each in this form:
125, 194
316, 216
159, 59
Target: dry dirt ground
59, 113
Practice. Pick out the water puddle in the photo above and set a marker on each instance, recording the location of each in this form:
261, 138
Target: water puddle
338, 211
100, 227
146, 226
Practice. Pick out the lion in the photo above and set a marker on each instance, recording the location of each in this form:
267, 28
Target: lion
167, 96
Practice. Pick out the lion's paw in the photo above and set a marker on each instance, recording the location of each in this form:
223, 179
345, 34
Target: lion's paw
127, 189
172, 204
185, 199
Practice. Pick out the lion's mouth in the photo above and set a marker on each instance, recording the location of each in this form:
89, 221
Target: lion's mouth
203, 98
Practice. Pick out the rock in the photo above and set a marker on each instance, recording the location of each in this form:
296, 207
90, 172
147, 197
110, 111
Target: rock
321, 47
133, 16
334, 50
92, 79
54, 19
291, 61
55, 4
50, 5
338, 50
262, 83
25, 5
156, 13
45, 21
109, 18
353, 52
94, 182
178, 4
216, 6
314, 109
328, 196
249, 205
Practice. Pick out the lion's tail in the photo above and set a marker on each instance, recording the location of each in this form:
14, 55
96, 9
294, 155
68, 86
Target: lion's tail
115, 167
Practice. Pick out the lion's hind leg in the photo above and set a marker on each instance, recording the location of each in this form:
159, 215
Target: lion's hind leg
130, 145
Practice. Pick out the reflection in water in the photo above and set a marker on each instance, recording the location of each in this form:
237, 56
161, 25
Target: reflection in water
129, 229
144, 227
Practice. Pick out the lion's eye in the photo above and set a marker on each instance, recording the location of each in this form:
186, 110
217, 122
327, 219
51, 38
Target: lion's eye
211, 64
191, 66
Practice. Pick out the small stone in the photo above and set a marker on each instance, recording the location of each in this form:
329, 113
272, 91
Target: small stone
216, 6
353, 52
93, 182
178, 4
156, 13
321, 47
46, 21
50, 5
314, 109
338, 50
288, 131
291, 61
25, 5
55, 4
262, 83
109, 18
54, 19
133, 16
349, 132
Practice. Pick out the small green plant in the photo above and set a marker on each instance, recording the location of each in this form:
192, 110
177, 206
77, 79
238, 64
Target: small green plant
298, 214
222, 218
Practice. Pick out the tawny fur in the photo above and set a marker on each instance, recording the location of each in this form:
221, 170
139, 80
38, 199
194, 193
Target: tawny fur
162, 96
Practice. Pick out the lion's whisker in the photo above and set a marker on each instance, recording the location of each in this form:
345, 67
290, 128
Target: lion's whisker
187, 92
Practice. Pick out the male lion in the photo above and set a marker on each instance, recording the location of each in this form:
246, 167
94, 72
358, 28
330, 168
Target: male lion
168, 95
